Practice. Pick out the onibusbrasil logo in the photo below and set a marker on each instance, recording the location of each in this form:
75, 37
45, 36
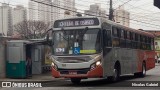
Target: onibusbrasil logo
20, 84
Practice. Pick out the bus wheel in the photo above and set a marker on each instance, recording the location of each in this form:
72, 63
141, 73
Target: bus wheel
75, 80
142, 73
115, 76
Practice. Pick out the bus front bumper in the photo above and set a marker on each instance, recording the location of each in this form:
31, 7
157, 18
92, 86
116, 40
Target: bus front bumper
94, 73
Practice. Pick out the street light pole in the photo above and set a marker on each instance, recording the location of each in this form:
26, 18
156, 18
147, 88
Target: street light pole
110, 11
51, 12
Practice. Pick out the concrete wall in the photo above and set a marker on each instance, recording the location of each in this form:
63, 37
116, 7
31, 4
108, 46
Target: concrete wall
2, 57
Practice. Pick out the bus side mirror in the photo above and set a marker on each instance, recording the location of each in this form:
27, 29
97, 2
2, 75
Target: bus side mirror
48, 39
86, 28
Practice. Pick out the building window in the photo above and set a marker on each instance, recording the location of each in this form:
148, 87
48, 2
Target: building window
156, 43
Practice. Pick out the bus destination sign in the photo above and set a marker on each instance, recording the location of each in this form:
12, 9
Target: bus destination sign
76, 22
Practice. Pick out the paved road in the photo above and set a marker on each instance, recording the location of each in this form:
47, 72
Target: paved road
152, 75
101, 84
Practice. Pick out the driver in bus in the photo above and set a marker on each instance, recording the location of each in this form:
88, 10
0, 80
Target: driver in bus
62, 44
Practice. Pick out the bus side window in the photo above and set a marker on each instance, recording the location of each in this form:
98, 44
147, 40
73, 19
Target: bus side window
114, 32
152, 44
107, 38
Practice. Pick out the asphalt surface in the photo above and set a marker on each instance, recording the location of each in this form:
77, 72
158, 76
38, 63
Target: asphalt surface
153, 76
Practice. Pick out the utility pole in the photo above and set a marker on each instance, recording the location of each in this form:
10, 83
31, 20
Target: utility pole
2, 20
157, 3
51, 11
110, 11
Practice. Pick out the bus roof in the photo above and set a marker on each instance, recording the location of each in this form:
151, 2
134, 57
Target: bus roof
91, 21
141, 32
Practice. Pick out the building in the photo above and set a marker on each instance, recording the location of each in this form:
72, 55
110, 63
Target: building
95, 10
122, 16
6, 27
33, 11
40, 12
156, 40
46, 13
11, 16
59, 13
19, 14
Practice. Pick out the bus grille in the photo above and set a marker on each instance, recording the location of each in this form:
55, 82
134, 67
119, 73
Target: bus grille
74, 59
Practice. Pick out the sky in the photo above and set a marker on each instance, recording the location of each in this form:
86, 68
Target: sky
143, 15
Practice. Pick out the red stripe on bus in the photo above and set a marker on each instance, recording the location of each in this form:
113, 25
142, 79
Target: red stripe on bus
148, 57
97, 72
55, 73
150, 61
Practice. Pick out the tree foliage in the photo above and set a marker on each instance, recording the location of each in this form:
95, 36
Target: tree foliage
31, 29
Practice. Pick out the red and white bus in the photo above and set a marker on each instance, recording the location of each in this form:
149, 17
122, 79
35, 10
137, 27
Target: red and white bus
92, 47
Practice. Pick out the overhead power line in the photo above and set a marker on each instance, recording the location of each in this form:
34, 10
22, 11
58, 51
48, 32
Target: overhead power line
55, 6
142, 16
67, 9
97, 16
134, 7
93, 15
123, 4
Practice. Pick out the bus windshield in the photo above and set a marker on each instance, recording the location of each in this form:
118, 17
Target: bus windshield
75, 42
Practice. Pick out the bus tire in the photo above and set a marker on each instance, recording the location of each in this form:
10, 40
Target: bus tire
142, 73
75, 80
116, 75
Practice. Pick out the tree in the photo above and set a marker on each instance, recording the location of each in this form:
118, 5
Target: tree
31, 29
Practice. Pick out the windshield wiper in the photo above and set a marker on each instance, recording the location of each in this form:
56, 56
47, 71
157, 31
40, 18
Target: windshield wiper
63, 37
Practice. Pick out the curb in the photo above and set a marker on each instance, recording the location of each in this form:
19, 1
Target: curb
12, 79
32, 80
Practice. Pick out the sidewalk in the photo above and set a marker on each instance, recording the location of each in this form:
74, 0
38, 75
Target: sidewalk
38, 78
157, 64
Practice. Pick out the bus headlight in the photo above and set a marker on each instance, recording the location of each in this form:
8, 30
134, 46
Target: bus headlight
98, 63
94, 65
54, 65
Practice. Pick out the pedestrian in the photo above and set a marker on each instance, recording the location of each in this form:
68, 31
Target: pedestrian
29, 67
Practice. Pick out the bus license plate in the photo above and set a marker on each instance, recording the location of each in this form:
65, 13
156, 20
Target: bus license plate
72, 72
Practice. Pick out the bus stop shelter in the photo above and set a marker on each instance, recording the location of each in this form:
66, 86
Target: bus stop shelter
24, 58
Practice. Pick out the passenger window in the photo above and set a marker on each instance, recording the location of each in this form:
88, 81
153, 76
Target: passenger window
125, 34
122, 33
115, 32
128, 35
107, 38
